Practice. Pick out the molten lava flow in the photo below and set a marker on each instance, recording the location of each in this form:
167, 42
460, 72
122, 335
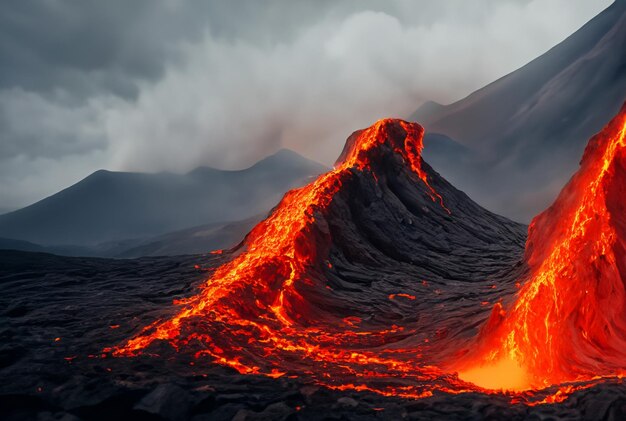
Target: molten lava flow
251, 316
569, 320
267, 310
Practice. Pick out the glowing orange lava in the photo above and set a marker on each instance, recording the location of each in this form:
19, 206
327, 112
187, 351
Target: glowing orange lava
569, 321
255, 296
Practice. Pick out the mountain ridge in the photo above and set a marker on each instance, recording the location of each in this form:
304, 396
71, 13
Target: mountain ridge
526, 131
110, 206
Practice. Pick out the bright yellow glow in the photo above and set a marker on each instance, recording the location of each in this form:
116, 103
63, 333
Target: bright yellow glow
505, 374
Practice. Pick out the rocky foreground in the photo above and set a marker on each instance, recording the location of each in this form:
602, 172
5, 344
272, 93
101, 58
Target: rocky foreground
89, 304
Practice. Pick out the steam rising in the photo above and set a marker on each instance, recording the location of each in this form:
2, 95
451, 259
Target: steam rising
240, 89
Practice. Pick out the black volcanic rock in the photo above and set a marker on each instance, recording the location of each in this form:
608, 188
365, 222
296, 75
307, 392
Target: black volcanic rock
525, 132
78, 299
389, 236
381, 239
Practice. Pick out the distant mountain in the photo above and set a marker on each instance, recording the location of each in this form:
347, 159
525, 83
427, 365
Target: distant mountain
520, 138
10, 244
110, 206
196, 240
104, 250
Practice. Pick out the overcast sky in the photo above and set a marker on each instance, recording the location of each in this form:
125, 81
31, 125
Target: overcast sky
154, 85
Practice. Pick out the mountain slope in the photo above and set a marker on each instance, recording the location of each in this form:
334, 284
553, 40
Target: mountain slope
351, 274
527, 130
111, 206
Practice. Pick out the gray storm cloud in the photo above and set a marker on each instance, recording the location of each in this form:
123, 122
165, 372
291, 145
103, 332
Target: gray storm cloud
226, 83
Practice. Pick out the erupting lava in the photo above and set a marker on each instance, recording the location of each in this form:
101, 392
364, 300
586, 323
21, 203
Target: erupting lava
272, 309
569, 320
250, 314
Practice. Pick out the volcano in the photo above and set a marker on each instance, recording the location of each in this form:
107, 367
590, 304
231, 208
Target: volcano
350, 279
335, 283
376, 290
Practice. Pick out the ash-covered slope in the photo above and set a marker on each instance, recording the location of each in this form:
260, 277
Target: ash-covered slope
351, 274
522, 135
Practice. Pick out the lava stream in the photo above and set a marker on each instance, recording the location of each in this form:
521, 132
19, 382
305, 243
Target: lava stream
251, 308
569, 321
273, 308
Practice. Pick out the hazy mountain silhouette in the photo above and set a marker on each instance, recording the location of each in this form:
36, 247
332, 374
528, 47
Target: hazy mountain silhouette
196, 240
522, 136
112, 206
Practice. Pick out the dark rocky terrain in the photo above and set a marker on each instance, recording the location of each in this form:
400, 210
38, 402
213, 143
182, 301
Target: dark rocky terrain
78, 300
384, 232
